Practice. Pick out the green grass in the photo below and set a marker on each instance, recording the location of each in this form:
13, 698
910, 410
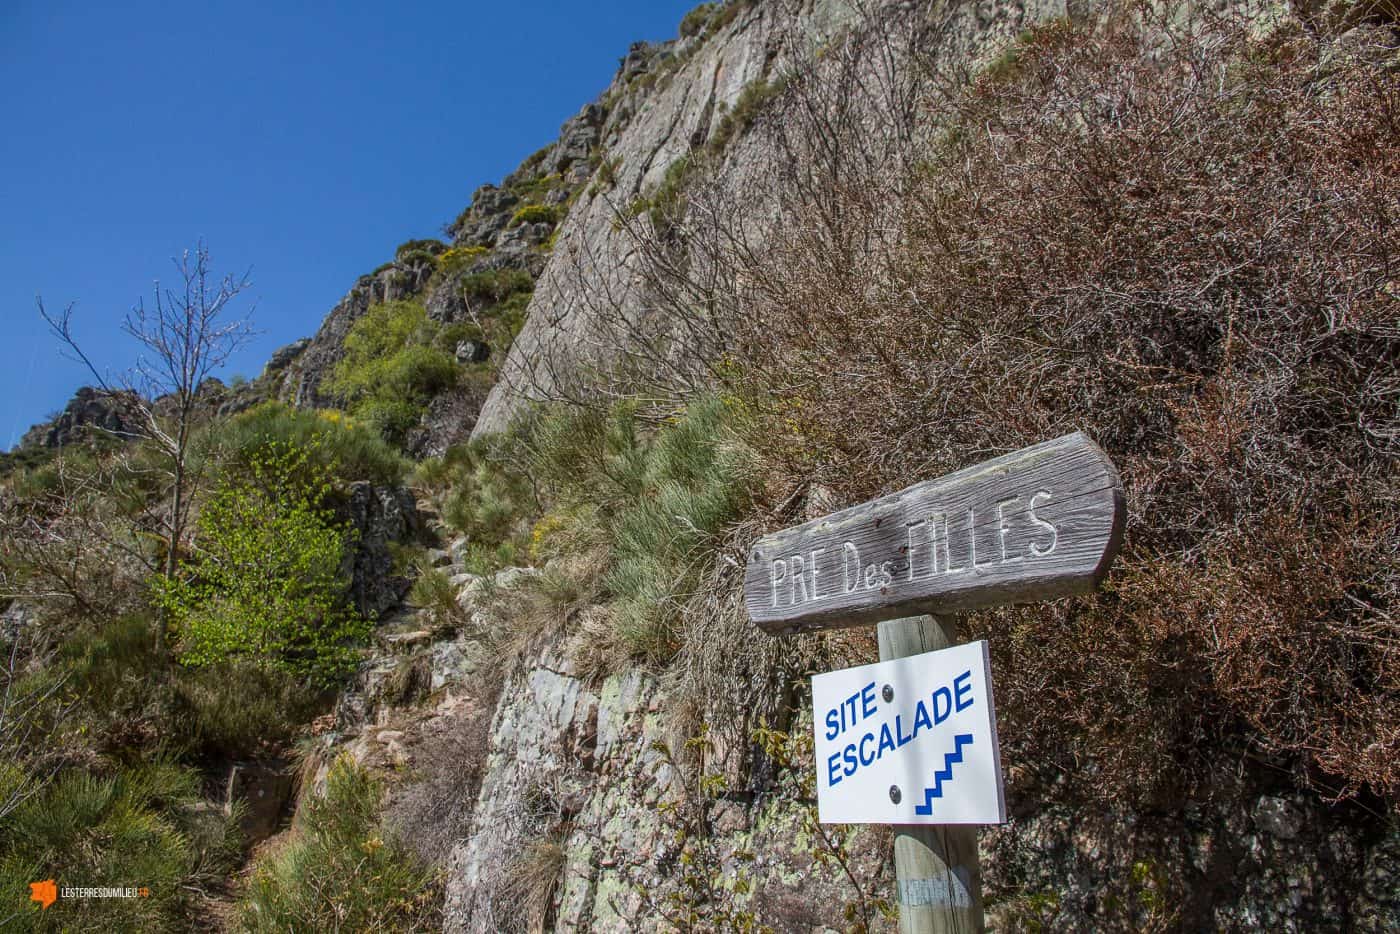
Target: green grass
568, 481
142, 825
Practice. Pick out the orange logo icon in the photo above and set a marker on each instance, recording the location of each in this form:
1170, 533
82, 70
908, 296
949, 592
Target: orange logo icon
45, 893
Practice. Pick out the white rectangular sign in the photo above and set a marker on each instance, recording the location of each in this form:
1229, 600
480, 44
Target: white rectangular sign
909, 741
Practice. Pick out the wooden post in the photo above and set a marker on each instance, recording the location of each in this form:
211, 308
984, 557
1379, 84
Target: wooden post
937, 879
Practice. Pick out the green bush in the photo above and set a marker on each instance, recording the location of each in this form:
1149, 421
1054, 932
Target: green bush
112, 669
430, 248
459, 257
142, 826
266, 585
21, 459
237, 708
497, 285
534, 214
391, 368
335, 444
417, 258
536, 189
342, 871
694, 22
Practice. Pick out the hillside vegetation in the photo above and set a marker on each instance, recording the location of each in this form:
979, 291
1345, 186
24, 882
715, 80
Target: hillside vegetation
1177, 234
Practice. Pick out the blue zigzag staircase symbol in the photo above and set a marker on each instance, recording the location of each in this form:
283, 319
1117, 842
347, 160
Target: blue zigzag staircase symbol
943, 774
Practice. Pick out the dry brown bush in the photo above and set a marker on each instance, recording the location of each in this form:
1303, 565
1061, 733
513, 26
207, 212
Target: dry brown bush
1181, 239
432, 810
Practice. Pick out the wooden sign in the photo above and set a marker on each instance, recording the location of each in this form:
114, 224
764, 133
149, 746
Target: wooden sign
1038, 523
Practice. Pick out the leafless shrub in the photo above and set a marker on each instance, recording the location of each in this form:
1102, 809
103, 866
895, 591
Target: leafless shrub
1181, 239
69, 542
431, 811
185, 338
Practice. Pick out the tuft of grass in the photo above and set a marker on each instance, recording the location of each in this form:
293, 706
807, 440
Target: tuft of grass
694, 22
434, 592
660, 498
751, 101
533, 877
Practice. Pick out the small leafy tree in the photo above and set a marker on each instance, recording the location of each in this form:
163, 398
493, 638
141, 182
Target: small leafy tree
266, 584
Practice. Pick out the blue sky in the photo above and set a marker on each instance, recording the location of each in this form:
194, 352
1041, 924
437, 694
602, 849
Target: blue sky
304, 140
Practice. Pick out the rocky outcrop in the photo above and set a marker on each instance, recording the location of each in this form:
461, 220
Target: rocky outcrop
283, 356
578, 138
90, 413
485, 218
301, 383
382, 517
571, 782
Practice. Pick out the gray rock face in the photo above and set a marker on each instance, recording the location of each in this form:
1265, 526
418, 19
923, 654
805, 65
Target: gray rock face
483, 221
282, 356
522, 237
595, 297
577, 137
473, 351
265, 788
382, 516
591, 281
449, 420
18, 618
301, 384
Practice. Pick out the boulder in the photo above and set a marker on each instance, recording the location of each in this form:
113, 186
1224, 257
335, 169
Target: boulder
473, 351
265, 788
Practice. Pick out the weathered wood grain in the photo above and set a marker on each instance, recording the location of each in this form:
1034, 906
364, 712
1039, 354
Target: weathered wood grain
1038, 523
